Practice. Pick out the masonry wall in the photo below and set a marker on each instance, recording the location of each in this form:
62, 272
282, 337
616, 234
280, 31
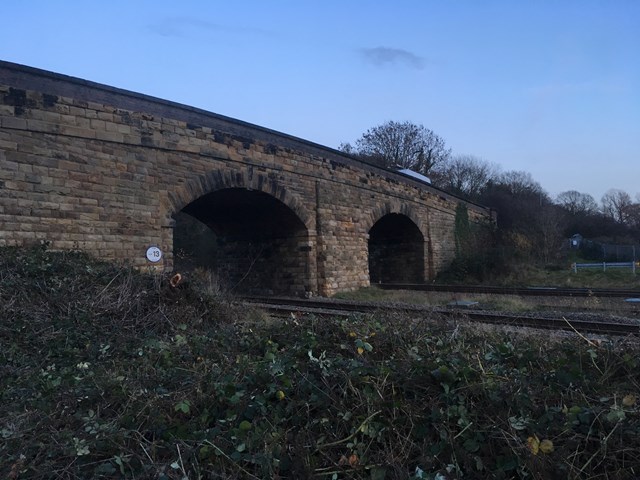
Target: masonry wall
90, 167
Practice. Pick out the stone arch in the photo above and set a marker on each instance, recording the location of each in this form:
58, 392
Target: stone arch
399, 208
221, 179
253, 232
396, 246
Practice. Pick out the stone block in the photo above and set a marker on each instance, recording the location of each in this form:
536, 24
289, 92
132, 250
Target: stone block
13, 122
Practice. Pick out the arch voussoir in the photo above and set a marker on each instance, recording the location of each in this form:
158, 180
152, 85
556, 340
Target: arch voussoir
219, 180
394, 208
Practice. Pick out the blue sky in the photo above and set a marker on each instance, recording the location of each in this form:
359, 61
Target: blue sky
548, 87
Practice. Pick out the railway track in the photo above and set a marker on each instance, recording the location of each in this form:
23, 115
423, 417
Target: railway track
287, 306
524, 291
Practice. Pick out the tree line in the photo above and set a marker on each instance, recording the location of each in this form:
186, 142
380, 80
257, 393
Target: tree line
532, 224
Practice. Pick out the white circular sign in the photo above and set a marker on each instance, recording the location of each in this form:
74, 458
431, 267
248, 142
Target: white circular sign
154, 254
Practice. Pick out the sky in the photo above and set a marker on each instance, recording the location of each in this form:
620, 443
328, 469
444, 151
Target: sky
551, 88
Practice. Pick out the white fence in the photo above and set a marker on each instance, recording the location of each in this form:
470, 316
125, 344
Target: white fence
604, 265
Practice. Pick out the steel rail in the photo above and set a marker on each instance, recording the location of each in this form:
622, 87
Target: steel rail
287, 306
523, 291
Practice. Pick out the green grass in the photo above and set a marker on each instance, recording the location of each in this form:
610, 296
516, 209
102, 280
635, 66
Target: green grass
503, 303
374, 294
109, 373
596, 278
528, 274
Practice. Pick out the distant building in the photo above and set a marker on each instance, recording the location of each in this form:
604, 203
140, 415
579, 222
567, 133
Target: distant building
575, 241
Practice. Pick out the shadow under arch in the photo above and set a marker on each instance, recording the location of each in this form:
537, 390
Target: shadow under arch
220, 180
396, 248
252, 233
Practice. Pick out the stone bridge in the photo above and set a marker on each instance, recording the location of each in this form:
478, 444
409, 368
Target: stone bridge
91, 167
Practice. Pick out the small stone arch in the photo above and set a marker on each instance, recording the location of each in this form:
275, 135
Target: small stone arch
399, 208
396, 245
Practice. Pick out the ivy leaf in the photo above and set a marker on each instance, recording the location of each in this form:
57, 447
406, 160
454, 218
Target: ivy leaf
546, 446
471, 445
629, 400
183, 406
518, 423
616, 415
534, 444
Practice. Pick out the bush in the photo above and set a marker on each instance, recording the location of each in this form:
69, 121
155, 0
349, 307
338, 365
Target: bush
109, 373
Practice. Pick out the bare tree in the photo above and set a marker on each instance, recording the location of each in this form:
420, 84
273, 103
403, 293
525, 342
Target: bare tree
346, 147
634, 214
576, 203
519, 182
465, 175
617, 205
519, 201
401, 144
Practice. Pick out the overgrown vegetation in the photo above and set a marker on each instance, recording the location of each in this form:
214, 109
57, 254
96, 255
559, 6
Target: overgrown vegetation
109, 373
522, 274
482, 258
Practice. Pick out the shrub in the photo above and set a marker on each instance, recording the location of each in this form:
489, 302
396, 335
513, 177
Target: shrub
109, 373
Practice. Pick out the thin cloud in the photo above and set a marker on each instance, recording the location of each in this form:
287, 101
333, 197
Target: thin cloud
385, 56
183, 26
585, 87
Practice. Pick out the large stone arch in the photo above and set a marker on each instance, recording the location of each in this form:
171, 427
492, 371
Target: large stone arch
220, 179
277, 249
396, 245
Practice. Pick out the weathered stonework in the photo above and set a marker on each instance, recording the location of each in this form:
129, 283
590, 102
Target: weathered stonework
90, 167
